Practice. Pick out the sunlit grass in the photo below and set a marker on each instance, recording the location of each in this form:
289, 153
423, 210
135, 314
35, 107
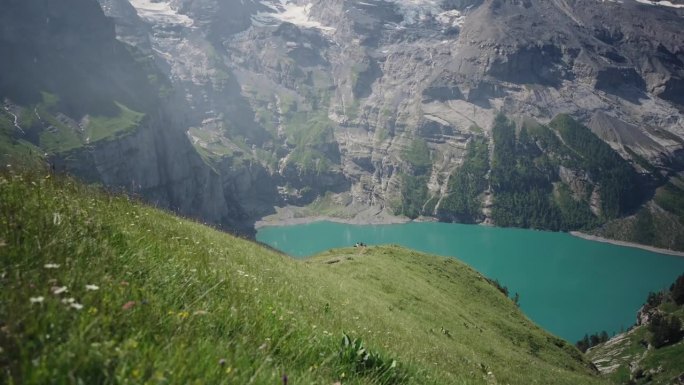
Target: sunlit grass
99, 289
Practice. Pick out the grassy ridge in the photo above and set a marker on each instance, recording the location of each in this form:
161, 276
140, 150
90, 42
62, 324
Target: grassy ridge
629, 359
100, 289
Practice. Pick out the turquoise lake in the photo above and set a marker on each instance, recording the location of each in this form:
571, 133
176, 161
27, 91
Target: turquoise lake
569, 286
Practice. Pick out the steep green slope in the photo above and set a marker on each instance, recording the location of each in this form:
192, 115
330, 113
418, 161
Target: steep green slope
652, 351
98, 288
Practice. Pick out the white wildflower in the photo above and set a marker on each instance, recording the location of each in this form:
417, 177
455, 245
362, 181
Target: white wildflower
59, 290
92, 287
68, 301
51, 266
76, 306
38, 299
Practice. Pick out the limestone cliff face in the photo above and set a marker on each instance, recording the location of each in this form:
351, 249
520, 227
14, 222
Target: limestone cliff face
289, 100
315, 96
68, 73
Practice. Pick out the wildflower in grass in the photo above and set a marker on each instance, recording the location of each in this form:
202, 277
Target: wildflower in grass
128, 305
51, 266
57, 290
76, 306
92, 287
68, 301
92, 311
183, 314
222, 361
38, 299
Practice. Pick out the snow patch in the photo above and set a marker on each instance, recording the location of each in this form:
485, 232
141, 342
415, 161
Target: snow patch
417, 11
160, 12
286, 11
661, 3
413, 12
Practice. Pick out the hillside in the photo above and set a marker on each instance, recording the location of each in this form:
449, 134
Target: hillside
651, 351
99, 288
369, 109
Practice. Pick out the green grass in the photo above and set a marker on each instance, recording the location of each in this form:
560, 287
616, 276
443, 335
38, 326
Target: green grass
417, 154
54, 136
663, 364
16, 152
315, 147
103, 127
57, 137
181, 303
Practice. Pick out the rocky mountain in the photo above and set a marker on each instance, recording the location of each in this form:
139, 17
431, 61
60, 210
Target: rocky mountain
391, 105
76, 96
377, 101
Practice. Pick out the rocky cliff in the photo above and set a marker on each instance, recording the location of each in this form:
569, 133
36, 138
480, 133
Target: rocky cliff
386, 102
101, 109
339, 95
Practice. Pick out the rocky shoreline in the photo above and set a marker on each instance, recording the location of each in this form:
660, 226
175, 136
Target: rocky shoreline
292, 215
626, 244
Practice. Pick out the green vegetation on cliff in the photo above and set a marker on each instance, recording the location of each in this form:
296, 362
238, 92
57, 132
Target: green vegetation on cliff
651, 352
463, 200
101, 289
530, 191
620, 191
523, 192
414, 192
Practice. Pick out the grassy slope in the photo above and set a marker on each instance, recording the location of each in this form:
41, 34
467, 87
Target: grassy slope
202, 296
662, 364
16, 152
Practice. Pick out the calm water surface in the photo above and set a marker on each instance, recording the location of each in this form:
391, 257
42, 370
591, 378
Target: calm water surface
568, 285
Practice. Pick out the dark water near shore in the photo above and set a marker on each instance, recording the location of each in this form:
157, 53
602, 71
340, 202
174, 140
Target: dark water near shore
568, 285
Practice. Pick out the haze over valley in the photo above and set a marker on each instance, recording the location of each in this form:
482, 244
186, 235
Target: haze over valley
553, 115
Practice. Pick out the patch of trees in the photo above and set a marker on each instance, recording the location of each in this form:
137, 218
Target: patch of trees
671, 198
590, 341
665, 329
528, 191
463, 202
677, 290
521, 181
414, 194
504, 290
418, 156
620, 188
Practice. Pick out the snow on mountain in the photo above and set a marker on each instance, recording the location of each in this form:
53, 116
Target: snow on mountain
413, 12
661, 3
287, 11
160, 12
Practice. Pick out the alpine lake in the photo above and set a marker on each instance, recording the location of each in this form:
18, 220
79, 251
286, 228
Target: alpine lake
568, 285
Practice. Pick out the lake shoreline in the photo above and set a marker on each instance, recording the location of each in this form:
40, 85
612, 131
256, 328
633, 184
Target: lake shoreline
652, 249
290, 216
